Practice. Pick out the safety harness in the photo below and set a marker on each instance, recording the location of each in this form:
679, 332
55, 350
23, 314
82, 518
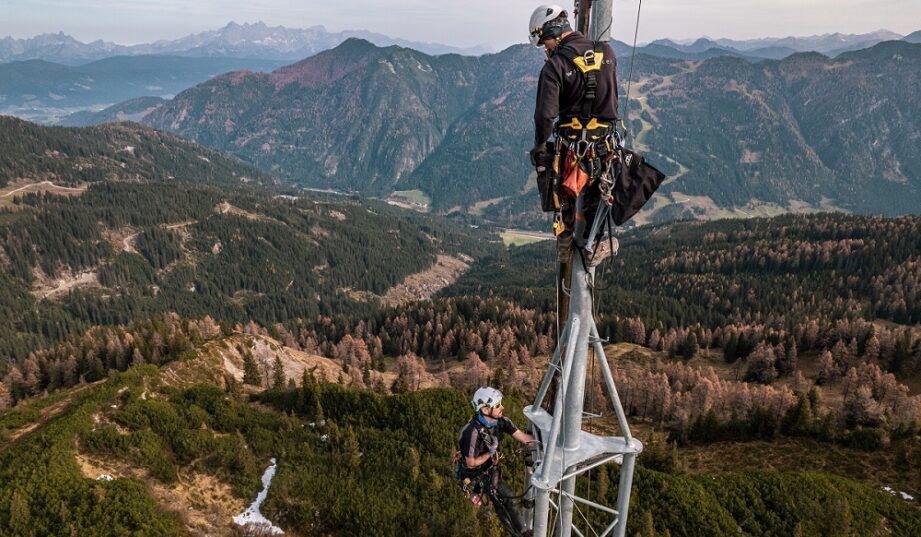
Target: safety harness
589, 64
478, 484
586, 147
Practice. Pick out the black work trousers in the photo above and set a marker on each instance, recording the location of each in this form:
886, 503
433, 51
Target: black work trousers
501, 497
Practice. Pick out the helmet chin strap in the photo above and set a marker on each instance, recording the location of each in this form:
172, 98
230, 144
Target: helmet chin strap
483, 420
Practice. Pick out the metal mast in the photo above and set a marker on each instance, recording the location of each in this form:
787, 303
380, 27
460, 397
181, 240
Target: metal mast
566, 451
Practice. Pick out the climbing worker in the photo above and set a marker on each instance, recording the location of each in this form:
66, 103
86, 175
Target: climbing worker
478, 458
576, 102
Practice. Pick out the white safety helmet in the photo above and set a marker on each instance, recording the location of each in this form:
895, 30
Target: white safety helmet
486, 397
541, 16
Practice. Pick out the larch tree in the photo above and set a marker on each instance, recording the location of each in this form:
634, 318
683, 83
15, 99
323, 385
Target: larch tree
5, 399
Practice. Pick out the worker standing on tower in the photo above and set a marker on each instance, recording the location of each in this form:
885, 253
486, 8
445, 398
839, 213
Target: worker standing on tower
578, 85
576, 101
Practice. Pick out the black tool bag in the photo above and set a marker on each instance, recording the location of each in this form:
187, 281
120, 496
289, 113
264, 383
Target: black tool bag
547, 181
636, 182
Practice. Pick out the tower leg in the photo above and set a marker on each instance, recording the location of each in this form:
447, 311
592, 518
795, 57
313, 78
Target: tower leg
623, 494
580, 304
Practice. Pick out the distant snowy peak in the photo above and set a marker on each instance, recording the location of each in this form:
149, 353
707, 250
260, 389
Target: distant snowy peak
57, 47
248, 40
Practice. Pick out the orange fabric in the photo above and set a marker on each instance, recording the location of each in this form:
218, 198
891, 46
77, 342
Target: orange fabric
575, 178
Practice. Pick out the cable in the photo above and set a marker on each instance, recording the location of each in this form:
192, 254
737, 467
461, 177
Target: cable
636, 33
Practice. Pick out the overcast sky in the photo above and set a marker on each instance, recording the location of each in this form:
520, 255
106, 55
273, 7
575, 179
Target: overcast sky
459, 22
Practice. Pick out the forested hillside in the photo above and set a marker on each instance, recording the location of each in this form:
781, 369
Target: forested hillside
819, 279
789, 302
170, 323
117, 152
350, 462
166, 225
122, 251
376, 448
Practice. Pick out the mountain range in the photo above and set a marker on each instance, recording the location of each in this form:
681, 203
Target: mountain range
774, 48
829, 44
39, 90
256, 40
804, 133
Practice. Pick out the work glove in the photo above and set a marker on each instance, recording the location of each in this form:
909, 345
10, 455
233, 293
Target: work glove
538, 155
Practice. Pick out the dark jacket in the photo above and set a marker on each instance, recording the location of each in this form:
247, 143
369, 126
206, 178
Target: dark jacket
562, 85
476, 439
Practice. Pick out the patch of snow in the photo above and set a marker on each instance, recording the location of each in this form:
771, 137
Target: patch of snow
105, 477
252, 515
904, 495
388, 64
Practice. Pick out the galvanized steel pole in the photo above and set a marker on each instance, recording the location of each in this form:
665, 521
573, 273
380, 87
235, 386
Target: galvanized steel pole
563, 457
580, 304
602, 17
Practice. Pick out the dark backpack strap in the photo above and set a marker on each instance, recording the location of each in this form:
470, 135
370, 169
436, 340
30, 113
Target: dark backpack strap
591, 77
591, 86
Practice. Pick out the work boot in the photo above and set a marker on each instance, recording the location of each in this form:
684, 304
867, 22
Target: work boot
564, 247
604, 249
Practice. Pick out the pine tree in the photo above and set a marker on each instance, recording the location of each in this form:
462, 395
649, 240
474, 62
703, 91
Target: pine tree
251, 374
647, 528
400, 385
232, 386
730, 350
798, 420
690, 347
20, 515
278, 375
349, 447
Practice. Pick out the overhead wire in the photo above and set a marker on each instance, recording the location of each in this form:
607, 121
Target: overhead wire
636, 33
